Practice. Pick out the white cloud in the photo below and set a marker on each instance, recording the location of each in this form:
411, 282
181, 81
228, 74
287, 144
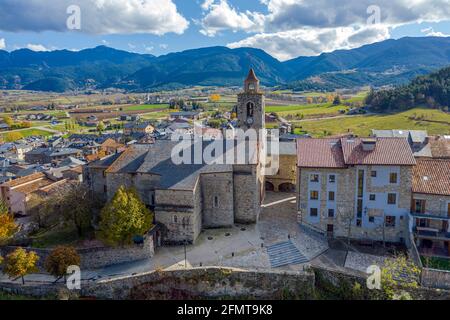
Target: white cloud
431, 33
163, 46
222, 16
149, 48
97, 16
310, 42
2, 43
298, 27
37, 47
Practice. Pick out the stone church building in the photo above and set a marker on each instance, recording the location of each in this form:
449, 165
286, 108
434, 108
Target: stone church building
187, 198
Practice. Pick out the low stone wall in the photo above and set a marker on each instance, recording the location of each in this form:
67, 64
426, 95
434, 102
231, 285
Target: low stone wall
206, 283
95, 258
433, 278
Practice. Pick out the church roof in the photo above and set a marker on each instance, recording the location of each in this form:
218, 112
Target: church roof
251, 76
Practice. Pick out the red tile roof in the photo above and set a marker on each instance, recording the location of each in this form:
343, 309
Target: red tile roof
432, 176
319, 153
340, 153
388, 151
24, 180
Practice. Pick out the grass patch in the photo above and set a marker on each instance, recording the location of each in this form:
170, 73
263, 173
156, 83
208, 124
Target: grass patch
146, 107
436, 263
434, 121
59, 236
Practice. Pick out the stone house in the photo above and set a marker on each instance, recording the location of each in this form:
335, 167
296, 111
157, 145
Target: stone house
51, 155
286, 178
430, 209
357, 188
191, 196
138, 128
18, 194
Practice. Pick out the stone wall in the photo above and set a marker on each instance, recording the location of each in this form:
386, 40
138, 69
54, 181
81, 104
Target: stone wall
95, 258
180, 213
217, 197
247, 194
438, 279
206, 283
286, 174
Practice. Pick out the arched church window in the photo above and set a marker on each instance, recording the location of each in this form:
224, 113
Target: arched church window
250, 109
251, 87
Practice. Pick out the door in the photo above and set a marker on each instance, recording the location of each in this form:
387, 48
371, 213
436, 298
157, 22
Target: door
330, 231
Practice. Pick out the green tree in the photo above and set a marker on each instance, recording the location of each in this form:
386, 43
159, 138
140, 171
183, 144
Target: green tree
399, 275
8, 120
101, 127
60, 259
124, 217
19, 263
13, 136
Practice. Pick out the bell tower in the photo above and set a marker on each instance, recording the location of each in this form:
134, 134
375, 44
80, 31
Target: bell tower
251, 104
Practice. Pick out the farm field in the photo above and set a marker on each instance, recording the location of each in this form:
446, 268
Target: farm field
307, 110
26, 133
434, 121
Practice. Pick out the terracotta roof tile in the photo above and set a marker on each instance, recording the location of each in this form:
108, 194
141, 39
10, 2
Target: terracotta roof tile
432, 176
320, 153
23, 180
388, 151
440, 147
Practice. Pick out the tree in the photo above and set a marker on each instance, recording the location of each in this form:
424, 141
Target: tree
77, 207
60, 259
124, 217
13, 136
19, 263
101, 127
8, 120
337, 100
7, 225
215, 98
346, 218
397, 275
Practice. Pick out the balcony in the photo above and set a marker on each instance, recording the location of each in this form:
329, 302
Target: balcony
431, 233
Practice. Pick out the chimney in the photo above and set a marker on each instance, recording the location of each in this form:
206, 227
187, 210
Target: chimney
369, 144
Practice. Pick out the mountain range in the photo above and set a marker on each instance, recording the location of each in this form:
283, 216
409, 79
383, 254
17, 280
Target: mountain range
383, 63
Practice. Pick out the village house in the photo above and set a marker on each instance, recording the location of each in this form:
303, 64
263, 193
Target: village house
430, 212
19, 193
417, 139
190, 115
356, 188
51, 155
142, 128
285, 179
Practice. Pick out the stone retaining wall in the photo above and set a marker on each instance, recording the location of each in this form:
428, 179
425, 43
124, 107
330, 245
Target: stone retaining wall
95, 258
206, 283
438, 279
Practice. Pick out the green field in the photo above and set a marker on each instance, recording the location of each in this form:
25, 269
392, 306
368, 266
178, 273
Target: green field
146, 107
434, 121
308, 110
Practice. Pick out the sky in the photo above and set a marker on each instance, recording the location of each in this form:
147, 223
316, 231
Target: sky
285, 29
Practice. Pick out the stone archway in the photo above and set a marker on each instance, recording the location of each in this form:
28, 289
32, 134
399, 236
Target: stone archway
286, 187
270, 186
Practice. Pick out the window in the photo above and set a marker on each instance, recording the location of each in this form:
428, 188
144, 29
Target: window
358, 222
314, 195
153, 199
393, 177
390, 221
105, 189
372, 197
250, 109
331, 178
330, 213
392, 198
314, 178
175, 219
330, 228
216, 202
419, 206
331, 196
313, 212
371, 219
360, 183
373, 174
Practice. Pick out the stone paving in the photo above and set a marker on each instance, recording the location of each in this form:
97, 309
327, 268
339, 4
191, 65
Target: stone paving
361, 261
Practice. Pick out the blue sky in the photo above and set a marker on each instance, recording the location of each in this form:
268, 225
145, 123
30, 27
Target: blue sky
284, 28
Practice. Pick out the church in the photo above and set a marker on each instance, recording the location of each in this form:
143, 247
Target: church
188, 198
